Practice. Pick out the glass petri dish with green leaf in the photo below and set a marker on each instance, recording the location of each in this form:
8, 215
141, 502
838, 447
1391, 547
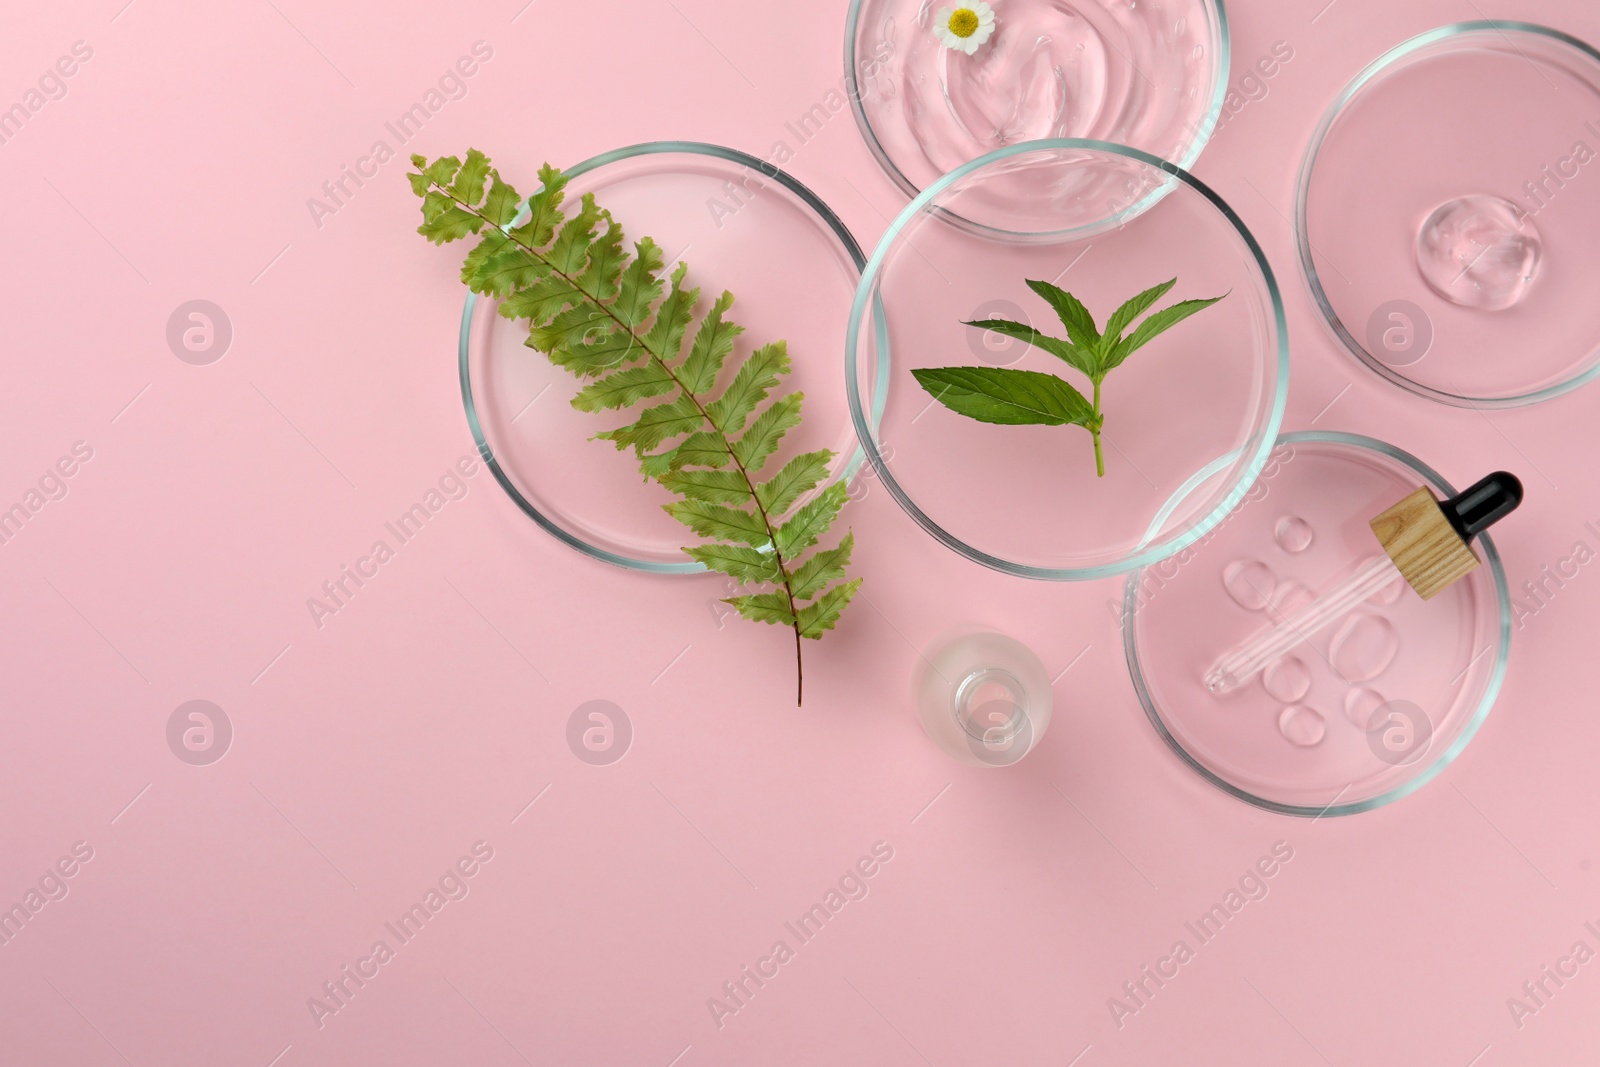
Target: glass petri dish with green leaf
1077, 240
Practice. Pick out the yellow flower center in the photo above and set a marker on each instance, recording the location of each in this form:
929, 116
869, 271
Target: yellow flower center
964, 23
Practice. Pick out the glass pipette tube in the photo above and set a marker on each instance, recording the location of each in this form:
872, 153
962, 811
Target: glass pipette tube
1237, 667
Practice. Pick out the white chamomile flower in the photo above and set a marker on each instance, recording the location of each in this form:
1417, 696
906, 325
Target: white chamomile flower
964, 28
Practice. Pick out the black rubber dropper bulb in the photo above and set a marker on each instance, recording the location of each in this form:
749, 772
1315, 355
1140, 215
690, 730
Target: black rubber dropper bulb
1482, 504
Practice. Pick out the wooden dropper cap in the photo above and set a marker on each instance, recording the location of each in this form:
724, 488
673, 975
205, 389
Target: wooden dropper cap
1429, 540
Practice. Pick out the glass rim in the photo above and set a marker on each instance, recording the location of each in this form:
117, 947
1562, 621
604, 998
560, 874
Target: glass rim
1407, 49
1492, 687
463, 347
1222, 47
1141, 556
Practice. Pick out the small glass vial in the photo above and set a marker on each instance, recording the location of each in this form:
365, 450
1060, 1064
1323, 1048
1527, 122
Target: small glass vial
982, 697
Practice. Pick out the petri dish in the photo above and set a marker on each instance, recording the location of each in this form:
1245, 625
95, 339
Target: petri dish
1028, 500
1150, 75
1443, 223
1370, 708
740, 224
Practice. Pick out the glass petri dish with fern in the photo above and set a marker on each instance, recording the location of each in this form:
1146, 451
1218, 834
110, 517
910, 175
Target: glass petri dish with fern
729, 217
1133, 312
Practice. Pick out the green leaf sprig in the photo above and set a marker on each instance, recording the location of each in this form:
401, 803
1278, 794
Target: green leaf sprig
1010, 397
609, 317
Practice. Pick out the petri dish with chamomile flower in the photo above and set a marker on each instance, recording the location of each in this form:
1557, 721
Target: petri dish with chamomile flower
939, 83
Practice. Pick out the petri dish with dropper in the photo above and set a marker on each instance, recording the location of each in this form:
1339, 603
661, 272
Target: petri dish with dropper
1366, 711
1445, 222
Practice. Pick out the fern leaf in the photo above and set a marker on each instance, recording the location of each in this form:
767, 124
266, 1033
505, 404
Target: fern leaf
624, 388
544, 209
757, 377
823, 567
602, 275
500, 207
722, 523
601, 348
641, 284
810, 522
713, 343
492, 241
440, 171
798, 477
542, 301
656, 424
764, 607
821, 616
468, 184
568, 329
721, 487
571, 249
739, 562
766, 432
701, 428
443, 221
672, 317
700, 449
507, 270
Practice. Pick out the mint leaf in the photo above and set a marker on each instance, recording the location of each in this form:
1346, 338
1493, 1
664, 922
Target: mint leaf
1074, 316
1071, 354
1006, 397
1123, 317
1156, 324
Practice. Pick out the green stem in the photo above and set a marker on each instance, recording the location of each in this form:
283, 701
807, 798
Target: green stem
1099, 456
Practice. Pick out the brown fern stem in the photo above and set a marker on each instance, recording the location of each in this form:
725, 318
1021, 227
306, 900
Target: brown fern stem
660, 361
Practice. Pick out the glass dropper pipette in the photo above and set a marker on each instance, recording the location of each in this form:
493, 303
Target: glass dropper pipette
1427, 544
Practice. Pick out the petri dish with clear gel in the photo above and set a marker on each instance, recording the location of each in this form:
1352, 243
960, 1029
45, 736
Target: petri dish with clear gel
1152, 75
1448, 220
1366, 711
1027, 500
740, 224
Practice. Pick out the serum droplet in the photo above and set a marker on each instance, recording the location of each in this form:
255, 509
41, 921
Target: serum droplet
1288, 680
1250, 583
1360, 704
1480, 252
1363, 647
1294, 534
1302, 726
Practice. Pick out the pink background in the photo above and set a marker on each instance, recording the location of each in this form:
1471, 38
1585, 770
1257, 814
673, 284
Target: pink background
372, 753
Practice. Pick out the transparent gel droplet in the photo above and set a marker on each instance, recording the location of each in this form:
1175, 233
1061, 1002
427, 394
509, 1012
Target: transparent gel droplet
1480, 252
1302, 726
1293, 534
1363, 646
1359, 705
1250, 583
1288, 680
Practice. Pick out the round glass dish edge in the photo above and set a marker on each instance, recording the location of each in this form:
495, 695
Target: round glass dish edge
646, 148
1223, 68
864, 431
1308, 271
1469, 731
